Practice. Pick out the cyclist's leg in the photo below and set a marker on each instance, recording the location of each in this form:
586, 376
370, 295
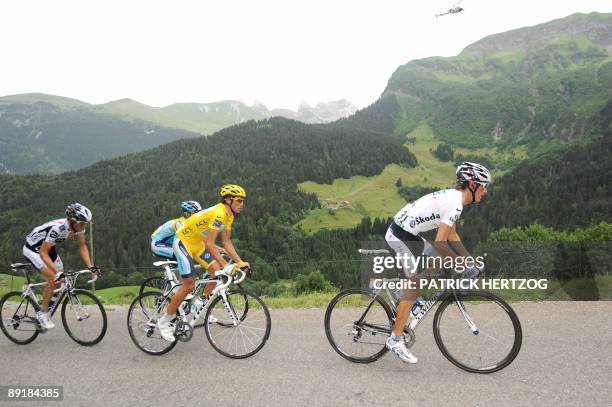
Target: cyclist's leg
211, 266
187, 274
407, 250
48, 274
162, 249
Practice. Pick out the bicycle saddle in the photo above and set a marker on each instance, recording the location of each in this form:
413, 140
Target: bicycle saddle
20, 266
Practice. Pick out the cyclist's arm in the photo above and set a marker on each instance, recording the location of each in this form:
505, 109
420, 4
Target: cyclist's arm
456, 243
442, 245
84, 251
226, 240
212, 248
44, 255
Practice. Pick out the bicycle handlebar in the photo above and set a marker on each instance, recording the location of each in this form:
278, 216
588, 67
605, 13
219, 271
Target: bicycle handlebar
78, 273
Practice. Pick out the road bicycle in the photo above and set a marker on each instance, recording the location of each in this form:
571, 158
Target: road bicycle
475, 330
236, 322
168, 281
83, 315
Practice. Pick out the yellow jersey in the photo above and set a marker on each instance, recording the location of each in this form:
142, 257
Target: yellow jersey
194, 230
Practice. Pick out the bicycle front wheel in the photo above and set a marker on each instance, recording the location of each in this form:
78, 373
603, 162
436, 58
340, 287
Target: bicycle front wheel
142, 319
18, 318
84, 317
357, 325
477, 332
239, 326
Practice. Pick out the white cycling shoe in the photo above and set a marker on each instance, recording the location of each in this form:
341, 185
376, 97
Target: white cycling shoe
45, 320
166, 329
398, 347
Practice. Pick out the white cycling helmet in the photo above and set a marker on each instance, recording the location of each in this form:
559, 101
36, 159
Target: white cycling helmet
78, 212
467, 171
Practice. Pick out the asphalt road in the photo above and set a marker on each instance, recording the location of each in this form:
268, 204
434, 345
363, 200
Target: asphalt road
566, 360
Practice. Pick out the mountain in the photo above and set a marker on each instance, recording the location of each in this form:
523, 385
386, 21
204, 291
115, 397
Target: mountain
40, 137
321, 113
202, 118
41, 133
130, 196
531, 86
207, 118
563, 189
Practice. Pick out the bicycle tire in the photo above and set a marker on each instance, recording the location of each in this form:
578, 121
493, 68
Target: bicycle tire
251, 302
330, 336
157, 283
70, 331
149, 329
6, 331
484, 296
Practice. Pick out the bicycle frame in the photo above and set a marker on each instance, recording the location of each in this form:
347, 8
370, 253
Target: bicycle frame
220, 289
64, 289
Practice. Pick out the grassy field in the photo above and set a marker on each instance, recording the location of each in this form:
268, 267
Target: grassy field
377, 196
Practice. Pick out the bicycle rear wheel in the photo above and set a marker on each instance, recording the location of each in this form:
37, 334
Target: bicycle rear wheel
84, 317
155, 283
142, 318
240, 327
357, 325
18, 318
480, 334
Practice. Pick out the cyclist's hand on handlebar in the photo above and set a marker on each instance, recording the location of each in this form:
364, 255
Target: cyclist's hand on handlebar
94, 269
242, 266
58, 277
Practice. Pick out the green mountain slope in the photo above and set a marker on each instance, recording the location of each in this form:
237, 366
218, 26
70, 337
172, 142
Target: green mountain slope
130, 196
529, 86
40, 137
563, 190
506, 98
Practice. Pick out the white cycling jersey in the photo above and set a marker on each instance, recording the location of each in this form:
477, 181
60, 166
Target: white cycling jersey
427, 212
54, 232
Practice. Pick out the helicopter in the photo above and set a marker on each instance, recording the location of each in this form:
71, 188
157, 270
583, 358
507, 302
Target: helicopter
453, 10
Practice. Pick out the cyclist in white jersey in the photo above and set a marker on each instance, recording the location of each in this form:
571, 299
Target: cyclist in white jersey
39, 249
438, 210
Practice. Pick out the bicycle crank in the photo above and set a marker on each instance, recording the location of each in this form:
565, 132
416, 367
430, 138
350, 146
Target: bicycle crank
183, 331
409, 337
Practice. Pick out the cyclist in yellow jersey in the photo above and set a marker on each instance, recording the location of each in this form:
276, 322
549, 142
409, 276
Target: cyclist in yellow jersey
195, 242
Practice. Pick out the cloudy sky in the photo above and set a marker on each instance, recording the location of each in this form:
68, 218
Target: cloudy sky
279, 52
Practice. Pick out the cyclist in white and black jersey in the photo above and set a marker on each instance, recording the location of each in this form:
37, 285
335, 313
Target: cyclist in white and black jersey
438, 210
39, 249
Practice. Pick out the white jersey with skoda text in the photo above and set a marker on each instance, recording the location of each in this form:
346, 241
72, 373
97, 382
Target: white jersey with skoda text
427, 212
54, 232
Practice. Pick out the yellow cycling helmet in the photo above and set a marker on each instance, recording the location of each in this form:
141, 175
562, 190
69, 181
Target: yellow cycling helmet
235, 191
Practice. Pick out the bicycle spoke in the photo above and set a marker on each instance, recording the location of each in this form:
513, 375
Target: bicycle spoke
493, 346
357, 324
251, 330
18, 318
84, 317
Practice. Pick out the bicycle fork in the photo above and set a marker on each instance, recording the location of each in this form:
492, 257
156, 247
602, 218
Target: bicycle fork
229, 308
466, 316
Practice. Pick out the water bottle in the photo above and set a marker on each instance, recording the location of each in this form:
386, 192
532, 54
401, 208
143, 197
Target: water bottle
186, 304
53, 300
418, 304
198, 304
